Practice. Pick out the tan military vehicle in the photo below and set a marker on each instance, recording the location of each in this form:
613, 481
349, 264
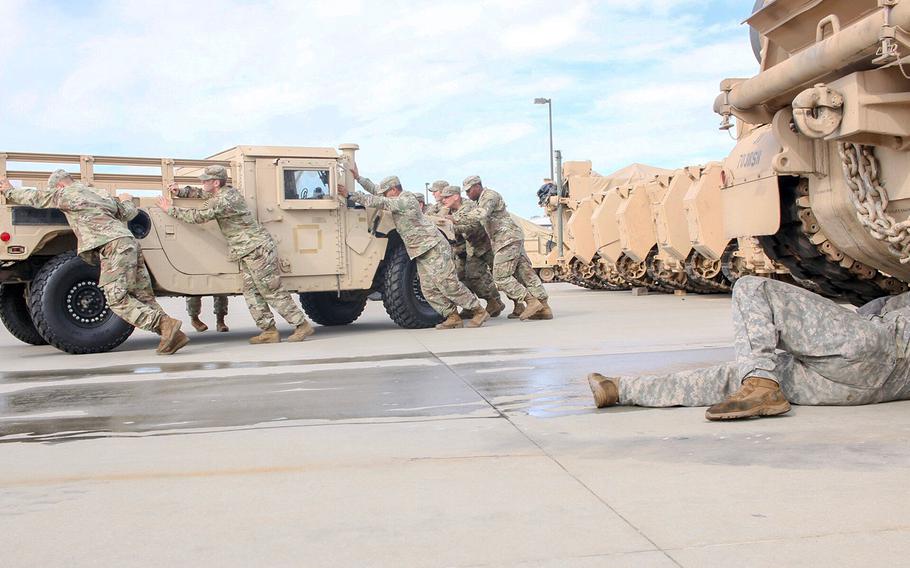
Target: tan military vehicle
821, 171
332, 253
537, 245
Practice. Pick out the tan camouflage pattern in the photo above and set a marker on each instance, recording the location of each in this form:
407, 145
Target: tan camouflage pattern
818, 351
492, 214
471, 229
214, 172
473, 253
418, 233
127, 285
95, 217
514, 275
439, 282
261, 277
190, 192
439, 185
477, 274
434, 209
194, 306
243, 232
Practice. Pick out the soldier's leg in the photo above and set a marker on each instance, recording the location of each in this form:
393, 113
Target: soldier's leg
832, 355
446, 281
121, 277
504, 264
461, 262
220, 306
193, 306
695, 387
429, 287
478, 279
525, 274
259, 308
264, 262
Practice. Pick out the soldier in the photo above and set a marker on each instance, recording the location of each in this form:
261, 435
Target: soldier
791, 346
426, 246
473, 249
194, 303
436, 189
99, 222
421, 201
251, 245
512, 269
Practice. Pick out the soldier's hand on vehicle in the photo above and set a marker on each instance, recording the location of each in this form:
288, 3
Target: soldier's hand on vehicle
173, 189
164, 201
354, 171
5, 185
342, 190
125, 197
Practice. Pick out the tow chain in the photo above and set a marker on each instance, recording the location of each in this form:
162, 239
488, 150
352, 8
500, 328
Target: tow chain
871, 200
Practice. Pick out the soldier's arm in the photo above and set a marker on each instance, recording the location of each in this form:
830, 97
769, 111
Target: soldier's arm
378, 201
189, 192
196, 216
366, 184
40, 198
127, 210
482, 209
893, 303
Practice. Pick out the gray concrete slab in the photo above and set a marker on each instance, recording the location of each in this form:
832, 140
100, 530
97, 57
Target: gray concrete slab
375, 446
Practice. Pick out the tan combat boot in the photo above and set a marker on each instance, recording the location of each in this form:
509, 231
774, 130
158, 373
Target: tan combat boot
221, 326
757, 397
268, 336
534, 306
495, 307
302, 331
480, 316
545, 313
172, 338
198, 324
465, 314
451, 322
516, 311
605, 389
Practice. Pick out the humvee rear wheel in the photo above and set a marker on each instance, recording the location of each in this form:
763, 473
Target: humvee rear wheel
70, 310
402, 296
14, 314
327, 308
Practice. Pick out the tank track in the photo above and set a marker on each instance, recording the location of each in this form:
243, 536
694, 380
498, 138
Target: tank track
820, 265
588, 276
708, 274
636, 274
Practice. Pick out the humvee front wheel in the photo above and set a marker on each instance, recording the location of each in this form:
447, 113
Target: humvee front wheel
327, 308
402, 296
70, 310
14, 314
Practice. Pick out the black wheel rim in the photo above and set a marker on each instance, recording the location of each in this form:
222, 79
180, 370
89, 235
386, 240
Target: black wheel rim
86, 305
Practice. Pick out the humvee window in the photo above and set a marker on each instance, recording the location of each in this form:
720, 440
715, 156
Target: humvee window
306, 184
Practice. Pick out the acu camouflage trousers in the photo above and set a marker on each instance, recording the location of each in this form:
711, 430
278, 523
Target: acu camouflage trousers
819, 352
194, 306
262, 288
514, 275
439, 282
127, 285
477, 274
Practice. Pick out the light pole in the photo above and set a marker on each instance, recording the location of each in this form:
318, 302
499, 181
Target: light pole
549, 103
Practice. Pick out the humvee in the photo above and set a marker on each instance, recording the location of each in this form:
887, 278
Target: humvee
334, 254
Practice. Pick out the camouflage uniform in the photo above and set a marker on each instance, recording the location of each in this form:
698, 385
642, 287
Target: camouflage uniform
253, 247
194, 303
99, 222
426, 245
476, 265
512, 270
818, 351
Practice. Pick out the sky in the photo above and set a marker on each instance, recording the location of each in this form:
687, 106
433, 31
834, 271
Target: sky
429, 90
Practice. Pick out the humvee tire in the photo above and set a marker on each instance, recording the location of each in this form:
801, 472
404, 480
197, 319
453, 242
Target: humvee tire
70, 310
401, 295
326, 308
15, 317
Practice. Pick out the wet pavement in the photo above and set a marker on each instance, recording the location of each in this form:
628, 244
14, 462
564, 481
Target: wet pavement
374, 446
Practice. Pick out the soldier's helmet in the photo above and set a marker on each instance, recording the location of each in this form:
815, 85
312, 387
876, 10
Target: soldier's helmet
451, 190
388, 183
214, 172
56, 177
470, 182
439, 185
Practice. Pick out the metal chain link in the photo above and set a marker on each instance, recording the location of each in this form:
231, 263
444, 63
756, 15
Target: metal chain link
871, 200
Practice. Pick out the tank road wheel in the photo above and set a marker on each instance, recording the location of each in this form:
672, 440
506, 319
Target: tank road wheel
327, 308
546, 274
69, 309
14, 314
402, 296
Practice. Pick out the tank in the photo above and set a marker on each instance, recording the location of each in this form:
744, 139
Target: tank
820, 173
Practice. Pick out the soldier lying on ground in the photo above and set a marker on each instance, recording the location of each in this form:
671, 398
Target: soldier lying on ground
426, 245
512, 270
99, 222
791, 346
251, 245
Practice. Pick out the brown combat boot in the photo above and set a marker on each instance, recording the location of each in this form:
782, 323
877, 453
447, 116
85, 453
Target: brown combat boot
268, 336
221, 326
465, 314
179, 341
516, 311
495, 306
302, 331
605, 389
545, 313
757, 397
451, 322
168, 328
198, 324
534, 306
480, 316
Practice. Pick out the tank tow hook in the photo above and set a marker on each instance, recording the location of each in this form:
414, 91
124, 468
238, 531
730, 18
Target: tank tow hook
818, 111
